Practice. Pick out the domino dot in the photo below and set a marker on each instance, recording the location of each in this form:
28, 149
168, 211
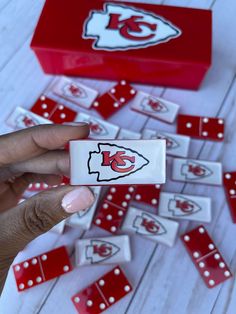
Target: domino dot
44, 106
131, 189
221, 121
39, 279
196, 254
21, 286
220, 135
211, 246
109, 197
109, 217
17, 268
138, 197
227, 175
37, 185
46, 114
232, 192
113, 90
186, 238
42, 98
201, 265
26, 264
123, 82
204, 133
98, 221
77, 299
211, 282
201, 230
120, 213
30, 283
188, 125
132, 91
62, 115
124, 204
127, 288
60, 107
66, 268
34, 261
30, 186
222, 265
116, 105
113, 190
113, 229
111, 299
127, 196
105, 206
96, 104
157, 186
44, 257
205, 120
122, 99
89, 303
154, 201
116, 271
102, 306
206, 273
217, 256
101, 282
227, 273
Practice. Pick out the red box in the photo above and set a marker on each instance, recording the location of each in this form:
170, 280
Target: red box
144, 43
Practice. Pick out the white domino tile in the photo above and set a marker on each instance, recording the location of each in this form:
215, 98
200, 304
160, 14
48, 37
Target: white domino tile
125, 134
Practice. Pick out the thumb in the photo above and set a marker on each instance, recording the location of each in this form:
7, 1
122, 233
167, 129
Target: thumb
38, 214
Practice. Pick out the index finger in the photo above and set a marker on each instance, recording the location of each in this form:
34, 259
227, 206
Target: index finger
31, 142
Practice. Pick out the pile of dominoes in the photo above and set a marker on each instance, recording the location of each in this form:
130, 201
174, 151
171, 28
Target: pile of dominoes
126, 171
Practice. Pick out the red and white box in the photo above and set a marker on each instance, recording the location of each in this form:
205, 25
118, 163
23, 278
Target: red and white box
155, 107
206, 257
145, 43
74, 91
117, 162
229, 182
108, 250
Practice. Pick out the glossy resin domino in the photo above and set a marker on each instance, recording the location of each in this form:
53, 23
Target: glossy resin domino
150, 226
176, 145
117, 162
21, 118
197, 171
184, 206
108, 250
74, 91
83, 218
99, 129
155, 107
206, 257
230, 190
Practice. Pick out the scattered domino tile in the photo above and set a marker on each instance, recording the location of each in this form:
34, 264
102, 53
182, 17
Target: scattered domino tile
108, 250
21, 118
99, 129
150, 226
155, 107
41, 268
52, 110
112, 210
117, 162
76, 92
206, 257
197, 171
125, 134
103, 293
176, 145
230, 190
201, 127
147, 194
84, 218
59, 228
116, 98
184, 206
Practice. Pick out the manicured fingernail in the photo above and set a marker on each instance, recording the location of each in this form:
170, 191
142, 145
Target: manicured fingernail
75, 123
78, 199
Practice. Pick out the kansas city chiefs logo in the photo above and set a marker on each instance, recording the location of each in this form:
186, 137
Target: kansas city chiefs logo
121, 27
153, 105
23, 121
181, 206
193, 171
170, 142
145, 224
96, 128
99, 251
112, 162
73, 90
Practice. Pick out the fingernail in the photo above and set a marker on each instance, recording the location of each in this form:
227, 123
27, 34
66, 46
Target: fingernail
75, 123
78, 199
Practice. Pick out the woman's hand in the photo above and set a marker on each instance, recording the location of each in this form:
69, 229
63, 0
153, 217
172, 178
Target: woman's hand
35, 155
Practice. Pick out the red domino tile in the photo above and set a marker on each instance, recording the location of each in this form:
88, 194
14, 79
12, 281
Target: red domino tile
229, 180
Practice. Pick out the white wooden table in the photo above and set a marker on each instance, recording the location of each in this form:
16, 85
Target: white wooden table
165, 280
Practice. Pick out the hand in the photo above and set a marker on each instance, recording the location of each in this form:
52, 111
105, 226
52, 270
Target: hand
35, 155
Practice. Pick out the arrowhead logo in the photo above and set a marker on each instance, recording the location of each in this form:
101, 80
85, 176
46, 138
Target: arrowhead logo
152, 105
98, 251
73, 90
145, 224
181, 206
112, 162
194, 171
96, 128
170, 142
121, 27
23, 121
